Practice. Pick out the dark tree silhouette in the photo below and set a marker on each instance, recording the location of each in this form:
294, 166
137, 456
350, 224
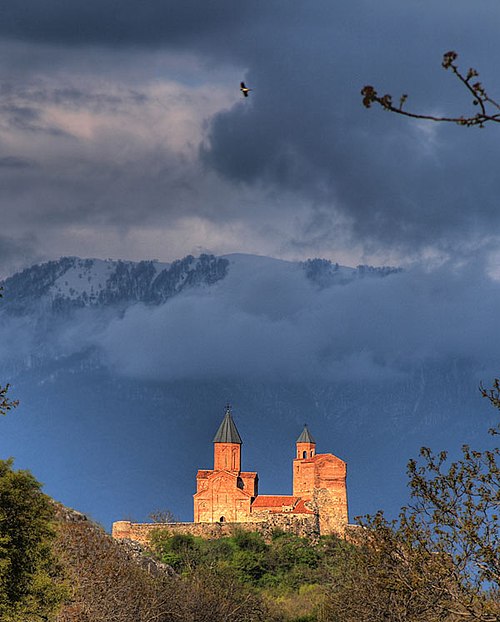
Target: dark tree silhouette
488, 108
6, 404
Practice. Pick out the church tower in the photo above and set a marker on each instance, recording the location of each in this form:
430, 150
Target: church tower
225, 493
320, 479
306, 445
304, 465
227, 445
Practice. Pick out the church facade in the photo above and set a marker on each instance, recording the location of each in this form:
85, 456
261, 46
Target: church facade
226, 496
226, 493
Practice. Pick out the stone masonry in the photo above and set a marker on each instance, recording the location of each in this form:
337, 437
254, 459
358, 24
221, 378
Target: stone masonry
227, 497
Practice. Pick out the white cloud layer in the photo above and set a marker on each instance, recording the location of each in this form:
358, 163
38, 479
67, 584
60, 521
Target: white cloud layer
265, 321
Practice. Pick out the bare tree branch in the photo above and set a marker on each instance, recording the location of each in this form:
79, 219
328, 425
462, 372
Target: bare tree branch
489, 109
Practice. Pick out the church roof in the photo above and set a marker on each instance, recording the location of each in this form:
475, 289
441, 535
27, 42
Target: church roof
306, 436
280, 504
227, 432
274, 501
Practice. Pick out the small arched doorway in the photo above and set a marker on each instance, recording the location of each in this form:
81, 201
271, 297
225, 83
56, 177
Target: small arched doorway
222, 519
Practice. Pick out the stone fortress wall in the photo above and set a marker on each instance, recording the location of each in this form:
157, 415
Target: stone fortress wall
227, 498
304, 526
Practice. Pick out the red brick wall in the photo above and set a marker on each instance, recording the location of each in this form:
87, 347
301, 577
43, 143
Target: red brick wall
227, 456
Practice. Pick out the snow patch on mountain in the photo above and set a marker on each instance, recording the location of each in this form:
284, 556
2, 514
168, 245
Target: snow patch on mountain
85, 276
72, 283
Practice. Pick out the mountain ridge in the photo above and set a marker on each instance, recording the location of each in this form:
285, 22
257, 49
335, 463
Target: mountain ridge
119, 400
73, 282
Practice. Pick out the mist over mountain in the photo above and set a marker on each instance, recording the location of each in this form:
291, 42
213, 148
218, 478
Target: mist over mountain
123, 370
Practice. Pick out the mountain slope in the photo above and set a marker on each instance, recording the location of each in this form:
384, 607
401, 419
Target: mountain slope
123, 371
71, 282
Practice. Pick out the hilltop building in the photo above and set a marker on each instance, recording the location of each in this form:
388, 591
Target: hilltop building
226, 495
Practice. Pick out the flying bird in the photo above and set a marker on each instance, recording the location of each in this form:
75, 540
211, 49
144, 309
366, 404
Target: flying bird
245, 90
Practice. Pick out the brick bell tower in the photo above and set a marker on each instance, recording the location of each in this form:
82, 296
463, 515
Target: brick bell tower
225, 493
303, 465
320, 479
306, 445
227, 445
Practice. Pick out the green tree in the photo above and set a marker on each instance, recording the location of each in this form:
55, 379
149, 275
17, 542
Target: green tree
31, 587
6, 403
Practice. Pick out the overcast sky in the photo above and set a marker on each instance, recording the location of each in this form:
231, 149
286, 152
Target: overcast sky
123, 133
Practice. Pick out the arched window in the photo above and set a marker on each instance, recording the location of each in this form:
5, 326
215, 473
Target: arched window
304, 454
222, 519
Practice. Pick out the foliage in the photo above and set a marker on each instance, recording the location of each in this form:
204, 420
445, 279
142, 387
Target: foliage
31, 586
6, 404
455, 513
286, 572
441, 559
489, 109
287, 562
113, 582
493, 395
384, 578
107, 583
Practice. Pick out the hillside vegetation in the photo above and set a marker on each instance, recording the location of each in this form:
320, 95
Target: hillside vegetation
378, 577
439, 562
58, 566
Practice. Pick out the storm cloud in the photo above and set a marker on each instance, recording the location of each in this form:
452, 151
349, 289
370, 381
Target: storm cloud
122, 131
267, 322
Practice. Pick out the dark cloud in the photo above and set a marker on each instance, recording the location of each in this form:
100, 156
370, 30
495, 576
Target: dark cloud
82, 100
98, 154
123, 22
401, 183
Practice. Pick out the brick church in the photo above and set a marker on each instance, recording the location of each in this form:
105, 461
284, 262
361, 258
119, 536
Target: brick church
228, 494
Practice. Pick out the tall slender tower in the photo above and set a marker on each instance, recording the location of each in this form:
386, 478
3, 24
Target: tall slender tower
306, 445
227, 445
225, 493
303, 465
320, 479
